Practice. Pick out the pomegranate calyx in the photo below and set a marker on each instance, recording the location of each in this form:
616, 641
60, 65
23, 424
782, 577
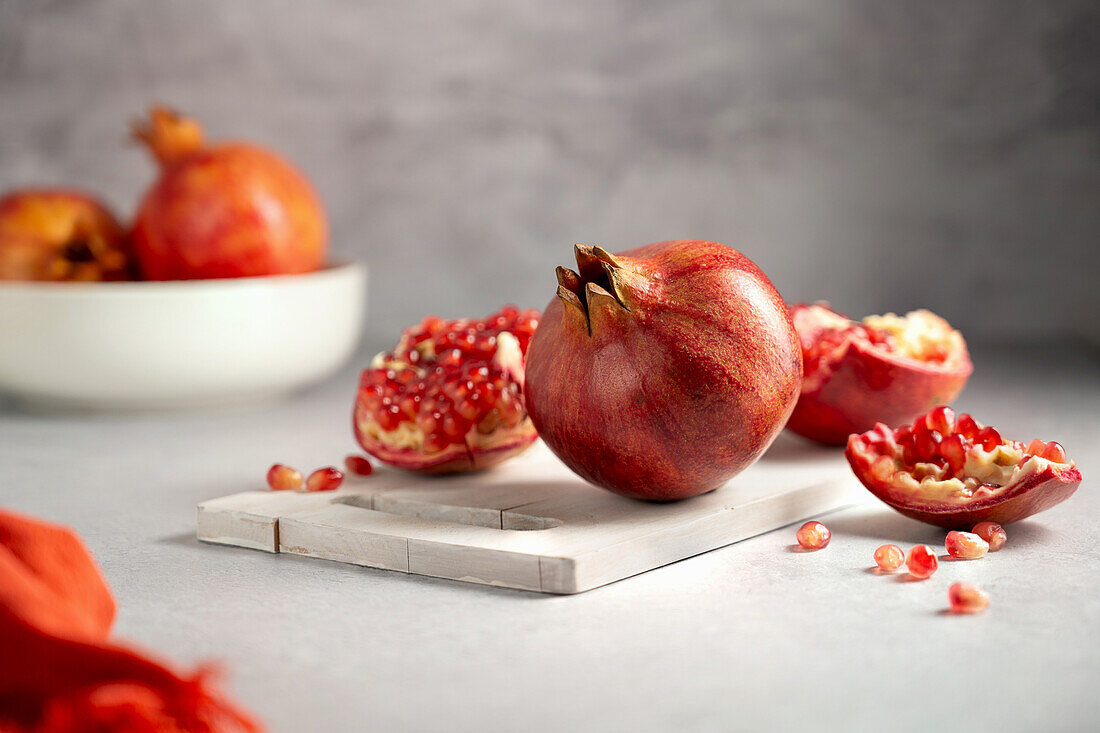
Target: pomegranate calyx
596, 292
169, 135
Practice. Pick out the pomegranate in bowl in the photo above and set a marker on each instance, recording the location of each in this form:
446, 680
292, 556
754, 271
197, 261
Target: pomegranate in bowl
887, 369
449, 397
954, 472
56, 235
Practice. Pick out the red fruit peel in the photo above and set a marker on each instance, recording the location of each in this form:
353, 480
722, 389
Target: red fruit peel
887, 369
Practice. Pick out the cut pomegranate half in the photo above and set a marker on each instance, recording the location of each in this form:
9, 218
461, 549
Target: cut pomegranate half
886, 369
449, 397
955, 473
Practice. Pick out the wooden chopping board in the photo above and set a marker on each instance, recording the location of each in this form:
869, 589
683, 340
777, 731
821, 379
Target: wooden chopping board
529, 523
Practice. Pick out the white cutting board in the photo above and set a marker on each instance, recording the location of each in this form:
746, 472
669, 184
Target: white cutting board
529, 523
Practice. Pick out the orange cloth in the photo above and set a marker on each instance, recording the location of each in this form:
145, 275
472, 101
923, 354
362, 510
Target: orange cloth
58, 671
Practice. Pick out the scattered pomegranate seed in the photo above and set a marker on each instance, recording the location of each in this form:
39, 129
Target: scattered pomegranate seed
358, 465
283, 478
324, 479
992, 533
889, 558
813, 535
967, 598
922, 561
965, 545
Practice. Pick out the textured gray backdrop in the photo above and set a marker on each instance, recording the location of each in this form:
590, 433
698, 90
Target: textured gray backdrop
883, 154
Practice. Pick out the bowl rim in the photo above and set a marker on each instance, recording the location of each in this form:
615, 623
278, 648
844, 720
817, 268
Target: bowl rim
329, 271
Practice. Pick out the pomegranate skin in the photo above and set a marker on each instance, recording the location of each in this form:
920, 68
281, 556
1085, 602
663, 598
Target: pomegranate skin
227, 210
1031, 494
661, 372
864, 386
60, 235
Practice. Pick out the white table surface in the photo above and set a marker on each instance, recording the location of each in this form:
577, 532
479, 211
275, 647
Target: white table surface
747, 637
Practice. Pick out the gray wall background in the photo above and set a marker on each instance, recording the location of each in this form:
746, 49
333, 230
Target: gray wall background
883, 154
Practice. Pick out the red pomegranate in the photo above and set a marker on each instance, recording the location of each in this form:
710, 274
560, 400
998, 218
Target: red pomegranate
955, 473
226, 210
661, 372
60, 235
887, 369
449, 397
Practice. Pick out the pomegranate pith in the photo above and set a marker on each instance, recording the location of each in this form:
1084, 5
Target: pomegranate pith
661, 372
283, 478
967, 598
324, 479
922, 562
889, 558
962, 473
813, 536
449, 397
992, 533
884, 369
965, 545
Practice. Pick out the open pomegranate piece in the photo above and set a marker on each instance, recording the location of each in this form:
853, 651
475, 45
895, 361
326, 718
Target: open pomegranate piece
955, 473
449, 397
886, 369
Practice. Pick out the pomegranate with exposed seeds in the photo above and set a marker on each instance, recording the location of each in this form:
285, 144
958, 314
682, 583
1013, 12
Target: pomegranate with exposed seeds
449, 397
954, 472
60, 235
226, 210
661, 372
887, 369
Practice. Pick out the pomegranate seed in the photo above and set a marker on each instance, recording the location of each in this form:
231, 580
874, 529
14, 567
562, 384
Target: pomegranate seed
283, 478
1035, 447
922, 562
324, 479
358, 465
1054, 452
942, 420
813, 535
927, 443
967, 598
967, 426
992, 533
988, 438
953, 449
889, 558
965, 545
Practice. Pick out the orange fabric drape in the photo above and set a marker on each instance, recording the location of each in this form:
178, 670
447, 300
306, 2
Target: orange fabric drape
60, 673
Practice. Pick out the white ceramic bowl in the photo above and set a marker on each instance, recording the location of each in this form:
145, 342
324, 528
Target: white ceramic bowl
142, 345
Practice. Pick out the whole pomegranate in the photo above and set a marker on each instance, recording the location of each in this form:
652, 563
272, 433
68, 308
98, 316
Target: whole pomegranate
661, 372
951, 471
449, 397
60, 235
226, 210
888, 369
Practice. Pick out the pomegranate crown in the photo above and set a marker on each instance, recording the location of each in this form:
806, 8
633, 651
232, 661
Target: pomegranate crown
597, 295
169, 135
